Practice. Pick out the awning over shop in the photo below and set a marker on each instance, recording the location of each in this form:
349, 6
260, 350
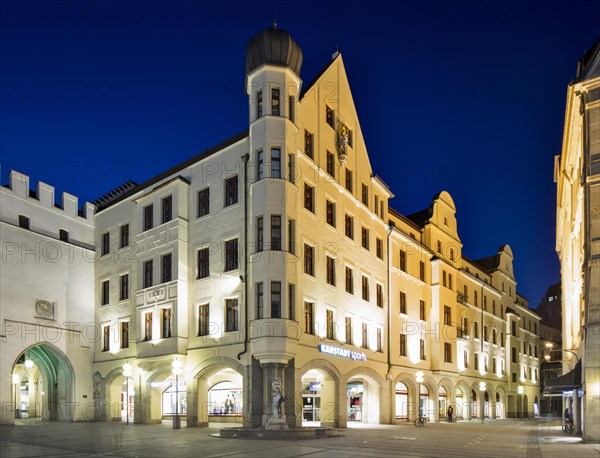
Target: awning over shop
565, 382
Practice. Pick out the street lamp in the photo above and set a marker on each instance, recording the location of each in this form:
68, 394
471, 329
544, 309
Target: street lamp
482, 389
419, 378
520, 392
16, 381
127, 374
176, 371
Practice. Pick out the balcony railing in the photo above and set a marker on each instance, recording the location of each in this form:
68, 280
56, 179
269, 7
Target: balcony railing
461, 298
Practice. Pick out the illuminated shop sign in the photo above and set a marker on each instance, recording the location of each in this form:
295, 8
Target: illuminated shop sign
343, 352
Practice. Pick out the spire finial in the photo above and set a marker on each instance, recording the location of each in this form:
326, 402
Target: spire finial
275, 24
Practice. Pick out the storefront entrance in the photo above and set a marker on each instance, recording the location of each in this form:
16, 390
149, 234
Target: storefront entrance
354, 399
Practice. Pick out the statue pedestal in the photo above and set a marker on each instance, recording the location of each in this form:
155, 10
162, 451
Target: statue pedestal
276, 424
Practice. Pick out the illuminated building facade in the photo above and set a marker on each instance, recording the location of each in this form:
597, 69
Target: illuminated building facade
275, 254
577, 175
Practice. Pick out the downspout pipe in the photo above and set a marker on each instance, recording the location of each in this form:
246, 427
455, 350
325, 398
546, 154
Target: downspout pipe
245, 158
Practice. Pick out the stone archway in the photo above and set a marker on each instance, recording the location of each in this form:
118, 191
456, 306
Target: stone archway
43, 384
364, 400
318, 395
208, 374
446, 395
500, 405
462, 401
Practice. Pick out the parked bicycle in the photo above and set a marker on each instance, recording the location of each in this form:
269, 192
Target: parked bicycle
420, 421
568, 427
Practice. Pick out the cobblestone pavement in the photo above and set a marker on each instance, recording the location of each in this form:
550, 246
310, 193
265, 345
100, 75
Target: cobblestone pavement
528, 439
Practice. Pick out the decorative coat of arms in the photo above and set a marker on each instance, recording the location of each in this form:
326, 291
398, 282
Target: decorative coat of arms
44, 309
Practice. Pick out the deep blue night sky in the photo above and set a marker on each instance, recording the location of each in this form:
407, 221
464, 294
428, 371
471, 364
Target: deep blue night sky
467, 97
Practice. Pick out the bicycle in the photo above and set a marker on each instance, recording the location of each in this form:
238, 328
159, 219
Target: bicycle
420, 421
568, 427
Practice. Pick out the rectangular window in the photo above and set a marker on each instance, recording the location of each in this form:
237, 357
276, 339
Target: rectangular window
203, 320
349, 227
330, 164
422, 349
330, 270
476, 330
365, 336
167, 268
403, 260
329, 116
308, 144
365, 288
275, 163
291, 301
365, 195
275, 299
349, 185
291, 168
166, 323
275, 109
231, 255
259, 234
330, 213
495, 336
148, 326
124, 334
167, 209
421, 270
376, 206
63, 235
450, 281
465, 328
309, 260
308, 318
309, 197
291, 236
349, 281
105, 338
466, 358
231, 191
276, 232
447, 315
260, 165
403, 302
105, 293
475, 298
330, 324
476, 361
259, 103
148, 217
447, 352
349, 138
203, 264
231, 310
402, 344
444, 278
148, 274
379, 248
203, 202
422, 314
365, 238
23, 222
105, 243
124, 236
379, 341
260, 303
124, 288
291, 106
379, 291
485, 333
349, 330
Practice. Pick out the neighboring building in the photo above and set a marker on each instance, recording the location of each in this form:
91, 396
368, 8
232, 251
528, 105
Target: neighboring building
275, 254
47, 304
577, 174
550, 309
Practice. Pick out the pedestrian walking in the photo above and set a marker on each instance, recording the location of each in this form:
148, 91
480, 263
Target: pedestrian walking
450, 412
